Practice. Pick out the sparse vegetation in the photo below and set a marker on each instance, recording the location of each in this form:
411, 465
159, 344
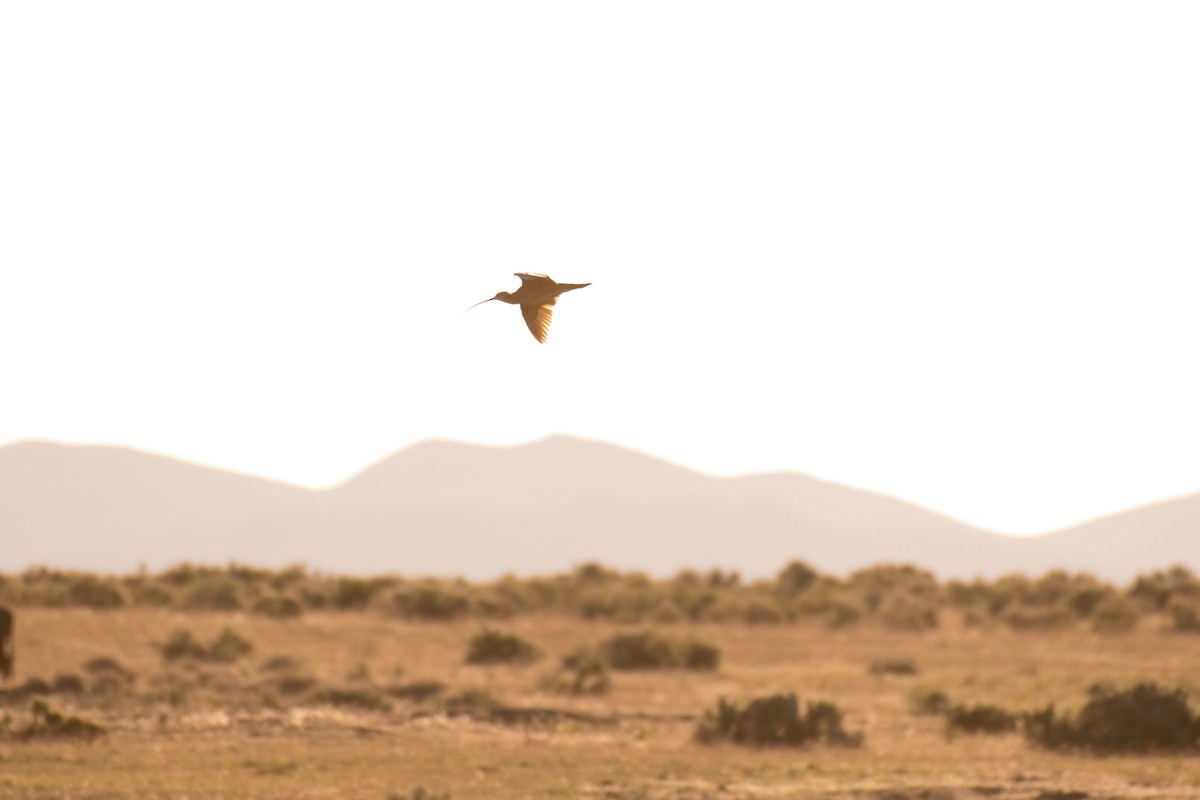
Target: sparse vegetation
650, 651
894, 596
581, 673
229, 646
492, 647
48, 723
893, 666
1142, 719
980, 718
775, 721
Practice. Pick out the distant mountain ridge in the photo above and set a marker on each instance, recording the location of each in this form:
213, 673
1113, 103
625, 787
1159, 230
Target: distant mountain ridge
445, 508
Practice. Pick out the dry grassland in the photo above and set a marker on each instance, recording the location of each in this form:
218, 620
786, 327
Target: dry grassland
201, 730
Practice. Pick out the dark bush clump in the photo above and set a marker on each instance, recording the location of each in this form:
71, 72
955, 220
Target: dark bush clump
581, 673
363, 699
893, 666
1185, 615
49, 723
980, 719
182, 644
67, 684
929, 702
429, 602
492, 647
1143, 719
229, 646
1115, 615
649, 651
775, 721
279, 606
89, 591
212, 594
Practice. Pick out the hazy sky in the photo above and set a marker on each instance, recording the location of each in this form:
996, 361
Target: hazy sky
949, 251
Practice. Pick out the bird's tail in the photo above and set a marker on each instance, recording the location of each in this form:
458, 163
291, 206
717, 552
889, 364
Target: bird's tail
566, 287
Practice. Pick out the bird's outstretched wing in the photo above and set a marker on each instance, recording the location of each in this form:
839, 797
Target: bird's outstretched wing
538, 319
535, 281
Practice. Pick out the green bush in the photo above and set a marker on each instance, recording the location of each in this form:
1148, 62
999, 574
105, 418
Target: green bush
1115, 615
181, 644
90, 591
214, 593
430, 603
227, 647
278, 606
492, 647
48, 723
649, 651
980, 718
893, 666
1142, 719
362, 699
581, 673
775, 721
929, 702
1026, 618
1185, 615
795, 578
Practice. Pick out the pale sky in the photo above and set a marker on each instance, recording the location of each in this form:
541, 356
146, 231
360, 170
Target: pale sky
948, 251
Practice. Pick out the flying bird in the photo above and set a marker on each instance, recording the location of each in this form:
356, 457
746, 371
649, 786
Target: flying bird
536, 297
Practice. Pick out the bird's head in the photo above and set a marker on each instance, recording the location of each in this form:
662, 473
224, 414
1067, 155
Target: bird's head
505, 296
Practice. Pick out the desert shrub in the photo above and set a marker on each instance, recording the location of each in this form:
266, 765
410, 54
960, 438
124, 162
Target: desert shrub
980, 718
929, 702
1115, 615
492, 647
649, 651
355, 593
908, 613
1157, 589
418, 793
1184, 615
581, 673
278, 606
874, 585
431, 603
795, 578
290, 683
229, 646
186, 573
360, 698
215, 593
108, 676
417, 691
893, 666
762, 611
153, 595
67, 683
1141, 719
279, 664
774, 721
48, 723
90, 591
106, 667
1026, 618
181, 644
474, 701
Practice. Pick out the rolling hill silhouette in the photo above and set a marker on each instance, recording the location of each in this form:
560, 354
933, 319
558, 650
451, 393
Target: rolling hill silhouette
442, 508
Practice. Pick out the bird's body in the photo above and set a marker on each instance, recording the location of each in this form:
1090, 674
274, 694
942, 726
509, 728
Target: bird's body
536, 297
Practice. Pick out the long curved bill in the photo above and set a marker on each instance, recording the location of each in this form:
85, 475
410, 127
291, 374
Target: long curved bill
481, 302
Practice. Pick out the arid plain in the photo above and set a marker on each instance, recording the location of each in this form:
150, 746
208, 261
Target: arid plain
366, 705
